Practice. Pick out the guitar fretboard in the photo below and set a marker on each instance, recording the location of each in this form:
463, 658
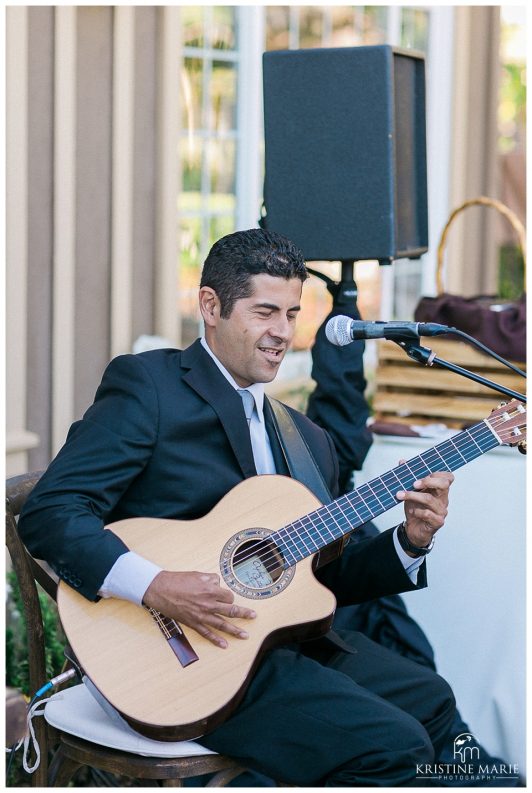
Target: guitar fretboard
330, 522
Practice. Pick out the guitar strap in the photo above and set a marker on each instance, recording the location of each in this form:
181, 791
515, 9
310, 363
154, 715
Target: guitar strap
297, 455
302, 466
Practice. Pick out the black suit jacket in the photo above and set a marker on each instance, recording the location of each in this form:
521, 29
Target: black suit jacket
167, 437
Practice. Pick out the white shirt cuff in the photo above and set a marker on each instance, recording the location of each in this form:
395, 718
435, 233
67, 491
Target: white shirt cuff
411, 565
129, 578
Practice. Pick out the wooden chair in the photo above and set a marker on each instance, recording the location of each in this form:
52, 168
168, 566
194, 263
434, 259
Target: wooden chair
72, 752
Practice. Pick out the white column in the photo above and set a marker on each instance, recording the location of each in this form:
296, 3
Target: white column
122, 179
439, 120
249, 116
64, 224
387, 272
166, 281
18, 438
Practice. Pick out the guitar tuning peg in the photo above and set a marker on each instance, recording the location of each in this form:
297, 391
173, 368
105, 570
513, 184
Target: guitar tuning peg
522, 447
502, 404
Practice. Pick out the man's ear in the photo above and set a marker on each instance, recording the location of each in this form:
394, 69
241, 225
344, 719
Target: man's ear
209, 304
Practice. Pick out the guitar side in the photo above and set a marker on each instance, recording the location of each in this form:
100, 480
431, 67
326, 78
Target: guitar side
123, 651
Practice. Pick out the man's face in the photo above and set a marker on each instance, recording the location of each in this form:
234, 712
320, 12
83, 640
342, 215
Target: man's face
252, 341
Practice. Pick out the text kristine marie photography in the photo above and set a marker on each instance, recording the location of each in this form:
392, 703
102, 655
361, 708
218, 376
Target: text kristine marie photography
467, 766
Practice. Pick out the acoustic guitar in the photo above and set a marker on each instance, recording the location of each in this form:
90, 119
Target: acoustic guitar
166, 680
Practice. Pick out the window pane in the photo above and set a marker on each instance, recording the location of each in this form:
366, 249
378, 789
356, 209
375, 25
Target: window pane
277, 26
190, 244
222, 110
310, 26
414, 29
192, 94
224, 27
192, 23
189, 275
190, 151
221, 165
407, 288
219, 227
342, 27
373, 24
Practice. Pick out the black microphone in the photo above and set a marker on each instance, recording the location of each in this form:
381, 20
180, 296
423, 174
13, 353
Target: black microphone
342, 330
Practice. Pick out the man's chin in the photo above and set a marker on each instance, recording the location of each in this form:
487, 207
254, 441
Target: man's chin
267, 375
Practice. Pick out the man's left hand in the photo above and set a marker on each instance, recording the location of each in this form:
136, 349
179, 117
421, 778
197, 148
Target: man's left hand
426, 507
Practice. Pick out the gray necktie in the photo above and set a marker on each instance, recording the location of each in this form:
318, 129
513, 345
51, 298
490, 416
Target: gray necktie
249, 402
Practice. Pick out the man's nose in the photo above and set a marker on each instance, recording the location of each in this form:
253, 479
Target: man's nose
281, 328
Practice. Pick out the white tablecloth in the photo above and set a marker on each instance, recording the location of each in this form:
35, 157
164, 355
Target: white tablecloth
473, 611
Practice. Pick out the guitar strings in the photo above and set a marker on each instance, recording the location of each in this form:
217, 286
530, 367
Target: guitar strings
294, 534
160, 620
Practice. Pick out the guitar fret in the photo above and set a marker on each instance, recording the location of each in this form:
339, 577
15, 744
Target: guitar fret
367, 501
299, 541
459, 452
442, 459
362, 505
344, 500
288, 555
315, 528
338, 532
398, 485
302, 536
462, 440
325, 523
387, 493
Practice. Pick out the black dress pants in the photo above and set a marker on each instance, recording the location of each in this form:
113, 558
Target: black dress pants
327, 717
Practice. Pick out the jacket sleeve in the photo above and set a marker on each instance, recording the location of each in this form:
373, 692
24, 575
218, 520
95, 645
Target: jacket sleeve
63, 519
367, 570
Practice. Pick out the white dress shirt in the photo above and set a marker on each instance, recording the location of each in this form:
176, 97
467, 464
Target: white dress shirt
131, 574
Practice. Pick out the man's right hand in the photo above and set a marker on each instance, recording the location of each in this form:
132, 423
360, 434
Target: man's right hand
197, 600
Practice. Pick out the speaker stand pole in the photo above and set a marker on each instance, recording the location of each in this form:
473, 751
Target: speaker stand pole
345, 293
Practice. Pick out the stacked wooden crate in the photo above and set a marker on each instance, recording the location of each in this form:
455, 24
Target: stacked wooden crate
411, 393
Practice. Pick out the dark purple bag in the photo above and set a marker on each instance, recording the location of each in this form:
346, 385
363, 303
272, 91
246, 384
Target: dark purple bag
503, 328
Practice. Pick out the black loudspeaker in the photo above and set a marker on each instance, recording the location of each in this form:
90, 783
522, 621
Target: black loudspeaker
345, 145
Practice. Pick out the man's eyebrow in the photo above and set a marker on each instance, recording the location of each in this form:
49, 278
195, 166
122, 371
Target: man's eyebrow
274, 307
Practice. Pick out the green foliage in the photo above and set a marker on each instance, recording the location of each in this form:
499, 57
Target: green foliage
512, 106
17, 673
511, 272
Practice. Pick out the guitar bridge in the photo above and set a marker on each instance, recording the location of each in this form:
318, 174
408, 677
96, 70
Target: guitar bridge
175, 637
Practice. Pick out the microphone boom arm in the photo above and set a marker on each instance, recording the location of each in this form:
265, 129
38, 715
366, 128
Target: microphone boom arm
427, 357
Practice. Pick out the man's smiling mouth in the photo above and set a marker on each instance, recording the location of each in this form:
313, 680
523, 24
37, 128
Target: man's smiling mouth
274, 353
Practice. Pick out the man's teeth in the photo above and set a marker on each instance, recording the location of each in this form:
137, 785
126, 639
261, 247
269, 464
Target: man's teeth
271, 350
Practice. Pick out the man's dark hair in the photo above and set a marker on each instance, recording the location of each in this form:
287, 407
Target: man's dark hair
235, 258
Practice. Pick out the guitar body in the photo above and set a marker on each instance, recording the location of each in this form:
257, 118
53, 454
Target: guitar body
123, 651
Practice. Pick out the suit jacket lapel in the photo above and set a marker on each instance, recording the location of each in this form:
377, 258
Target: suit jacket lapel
204, 377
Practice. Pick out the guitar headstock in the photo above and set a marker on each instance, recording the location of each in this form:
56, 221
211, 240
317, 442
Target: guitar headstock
508, 422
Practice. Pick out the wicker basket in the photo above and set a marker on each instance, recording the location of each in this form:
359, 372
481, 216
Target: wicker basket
437, 396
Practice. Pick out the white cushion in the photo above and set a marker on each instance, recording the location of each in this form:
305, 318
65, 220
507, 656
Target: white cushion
77, 712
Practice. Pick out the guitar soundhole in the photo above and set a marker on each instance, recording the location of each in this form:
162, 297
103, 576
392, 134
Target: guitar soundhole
252, 565
257, 564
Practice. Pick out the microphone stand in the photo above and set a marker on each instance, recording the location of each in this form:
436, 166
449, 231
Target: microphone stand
427, 357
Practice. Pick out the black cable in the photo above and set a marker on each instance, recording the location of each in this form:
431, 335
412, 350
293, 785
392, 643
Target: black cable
487, 350
10, 761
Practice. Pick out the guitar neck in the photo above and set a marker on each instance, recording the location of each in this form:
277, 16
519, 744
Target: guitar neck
331, 522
